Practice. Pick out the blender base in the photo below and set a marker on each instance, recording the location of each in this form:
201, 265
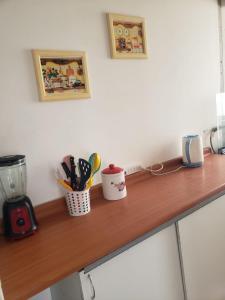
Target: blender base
19, 218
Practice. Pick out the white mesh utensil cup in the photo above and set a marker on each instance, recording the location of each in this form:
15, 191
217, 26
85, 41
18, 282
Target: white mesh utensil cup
78, 203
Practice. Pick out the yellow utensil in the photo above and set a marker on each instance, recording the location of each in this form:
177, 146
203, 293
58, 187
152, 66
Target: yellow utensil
90, 183
64, 185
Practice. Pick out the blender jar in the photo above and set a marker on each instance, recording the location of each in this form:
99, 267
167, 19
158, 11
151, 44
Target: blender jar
12, 177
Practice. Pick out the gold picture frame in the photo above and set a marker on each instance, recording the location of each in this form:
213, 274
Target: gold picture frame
127, 36
61, 75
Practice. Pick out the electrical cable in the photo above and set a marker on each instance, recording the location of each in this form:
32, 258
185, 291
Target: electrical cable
157, 170
154, 171
207, 154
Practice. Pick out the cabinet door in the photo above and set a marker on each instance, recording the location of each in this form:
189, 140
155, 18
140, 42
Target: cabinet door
1, 293
202, 237
148, 271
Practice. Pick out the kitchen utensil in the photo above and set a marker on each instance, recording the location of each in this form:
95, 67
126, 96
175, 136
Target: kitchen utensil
113, 183
69, 168
66, 169
18, 215
66, 164
64, 185
95, 161
89, 183
73, 175
60, 174
85, 173
66, 159
192, 151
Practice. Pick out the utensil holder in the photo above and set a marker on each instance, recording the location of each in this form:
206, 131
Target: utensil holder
78, 203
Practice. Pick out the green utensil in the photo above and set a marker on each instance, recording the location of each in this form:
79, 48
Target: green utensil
95, 162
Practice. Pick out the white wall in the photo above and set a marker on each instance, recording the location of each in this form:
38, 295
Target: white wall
139, 108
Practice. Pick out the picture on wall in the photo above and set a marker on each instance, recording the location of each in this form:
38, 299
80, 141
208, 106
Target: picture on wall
127, 36
61, 75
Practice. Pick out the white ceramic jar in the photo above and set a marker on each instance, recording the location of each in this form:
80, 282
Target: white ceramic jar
113, 183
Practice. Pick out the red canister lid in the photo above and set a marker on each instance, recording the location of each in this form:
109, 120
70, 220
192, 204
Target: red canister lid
112, 169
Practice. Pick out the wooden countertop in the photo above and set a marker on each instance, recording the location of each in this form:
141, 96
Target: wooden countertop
66, 244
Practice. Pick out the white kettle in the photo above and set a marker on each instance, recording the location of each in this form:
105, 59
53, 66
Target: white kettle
192, 151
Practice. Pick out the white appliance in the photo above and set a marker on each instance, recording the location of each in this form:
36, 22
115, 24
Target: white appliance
192, 149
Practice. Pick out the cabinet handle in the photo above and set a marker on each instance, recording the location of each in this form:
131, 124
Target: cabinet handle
92, 286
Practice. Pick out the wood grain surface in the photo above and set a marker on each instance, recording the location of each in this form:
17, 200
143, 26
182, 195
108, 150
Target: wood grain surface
65, 244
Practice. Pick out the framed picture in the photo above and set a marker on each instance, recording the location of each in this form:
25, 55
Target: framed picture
127, 36
61, 75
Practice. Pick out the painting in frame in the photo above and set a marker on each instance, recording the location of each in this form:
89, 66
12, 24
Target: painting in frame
61, 75
127, 36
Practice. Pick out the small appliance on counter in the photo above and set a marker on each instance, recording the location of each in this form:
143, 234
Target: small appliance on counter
113, 183
192, 149
18, 214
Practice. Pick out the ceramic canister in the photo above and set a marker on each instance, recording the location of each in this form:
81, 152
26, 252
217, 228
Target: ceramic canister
192, 149
113, 183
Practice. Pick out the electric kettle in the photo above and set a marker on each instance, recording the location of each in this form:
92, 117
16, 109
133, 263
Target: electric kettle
192, 151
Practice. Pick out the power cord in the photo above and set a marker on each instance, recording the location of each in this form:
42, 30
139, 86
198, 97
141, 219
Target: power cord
212, 132
155, 171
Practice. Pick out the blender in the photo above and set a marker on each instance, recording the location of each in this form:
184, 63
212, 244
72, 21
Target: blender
18, 214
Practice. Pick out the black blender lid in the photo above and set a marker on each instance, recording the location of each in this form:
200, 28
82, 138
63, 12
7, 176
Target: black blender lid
11, 160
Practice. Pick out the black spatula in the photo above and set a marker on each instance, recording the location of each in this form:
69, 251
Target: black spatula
85, 173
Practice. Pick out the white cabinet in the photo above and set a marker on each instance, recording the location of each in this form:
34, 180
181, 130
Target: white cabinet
1, 293
148, 270
202, 237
